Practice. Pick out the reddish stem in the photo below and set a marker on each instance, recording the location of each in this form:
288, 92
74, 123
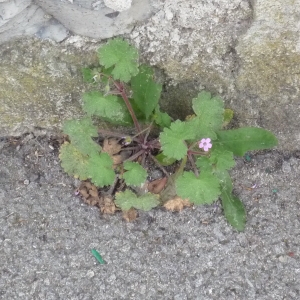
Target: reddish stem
121, 89
191, 159
195, 153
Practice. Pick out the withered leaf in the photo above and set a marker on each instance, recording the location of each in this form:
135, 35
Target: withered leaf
117, 159
111, 146
177, 204
156, 186
108, 206
130, 215
89, 193
94, 201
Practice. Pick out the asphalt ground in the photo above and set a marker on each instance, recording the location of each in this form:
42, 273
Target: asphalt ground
47, 233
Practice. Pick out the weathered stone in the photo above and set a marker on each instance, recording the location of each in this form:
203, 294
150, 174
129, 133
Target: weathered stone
40, 84
269, 73
193, 40
246, 51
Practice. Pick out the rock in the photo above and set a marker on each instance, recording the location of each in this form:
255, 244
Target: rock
245, 51
118, 5
40, 84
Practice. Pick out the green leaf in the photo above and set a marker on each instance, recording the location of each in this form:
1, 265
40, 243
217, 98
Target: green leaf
87, 75
100, 169
234, 209
126, 200
209, 117
218, 160
146, 92
227, 117
135, 175
172, 139
111, 108
162, 119
80, 133
105, 74
204, 163
199, 190
164, 160
122, 56
241, 140
73, 161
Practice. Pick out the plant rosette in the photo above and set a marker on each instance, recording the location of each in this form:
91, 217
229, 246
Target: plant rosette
194, 155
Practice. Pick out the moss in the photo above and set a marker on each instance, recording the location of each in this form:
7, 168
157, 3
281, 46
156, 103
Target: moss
40, 87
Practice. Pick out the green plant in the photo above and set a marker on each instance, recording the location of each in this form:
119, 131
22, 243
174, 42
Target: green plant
198, 150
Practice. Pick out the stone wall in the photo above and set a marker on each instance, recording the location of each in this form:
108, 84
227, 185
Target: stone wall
246, 51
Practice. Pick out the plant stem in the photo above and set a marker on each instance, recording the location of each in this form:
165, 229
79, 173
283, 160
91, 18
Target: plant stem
115, 134
136, 155
112, 187
196, 153
191, 159
155, 144
181, 167
147, 134
159, 165
121, 89
192, 145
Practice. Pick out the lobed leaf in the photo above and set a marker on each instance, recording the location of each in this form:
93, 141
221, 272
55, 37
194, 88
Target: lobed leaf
241, 140
199, 190
122, 56
110, 108
126, 200
209, 117
146, 92
164, 160
218, 160
135, 175
73, 161
100, 169
173, 139
80, 133
162, 119
87, 75
234, 209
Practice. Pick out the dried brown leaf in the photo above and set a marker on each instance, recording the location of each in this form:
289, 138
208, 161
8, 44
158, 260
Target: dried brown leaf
177, 204
93, 193
94, 201
130, 215
84, 193
111, 146
89, 193
117, 159
108, 206
156, 186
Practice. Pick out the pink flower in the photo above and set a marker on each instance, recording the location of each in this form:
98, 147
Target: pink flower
205, 144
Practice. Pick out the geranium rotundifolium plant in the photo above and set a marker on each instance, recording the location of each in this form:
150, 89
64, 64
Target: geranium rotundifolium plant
194, 155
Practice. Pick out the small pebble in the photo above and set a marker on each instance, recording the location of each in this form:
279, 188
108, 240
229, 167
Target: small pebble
26, 182
286, 167
282, 259
90, 274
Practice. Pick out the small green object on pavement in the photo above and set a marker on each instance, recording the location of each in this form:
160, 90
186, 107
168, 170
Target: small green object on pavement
247, 157
98, 256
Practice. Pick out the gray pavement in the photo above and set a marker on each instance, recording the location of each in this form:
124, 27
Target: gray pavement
47, 233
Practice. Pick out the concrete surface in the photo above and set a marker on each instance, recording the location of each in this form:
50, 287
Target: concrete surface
46, 234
